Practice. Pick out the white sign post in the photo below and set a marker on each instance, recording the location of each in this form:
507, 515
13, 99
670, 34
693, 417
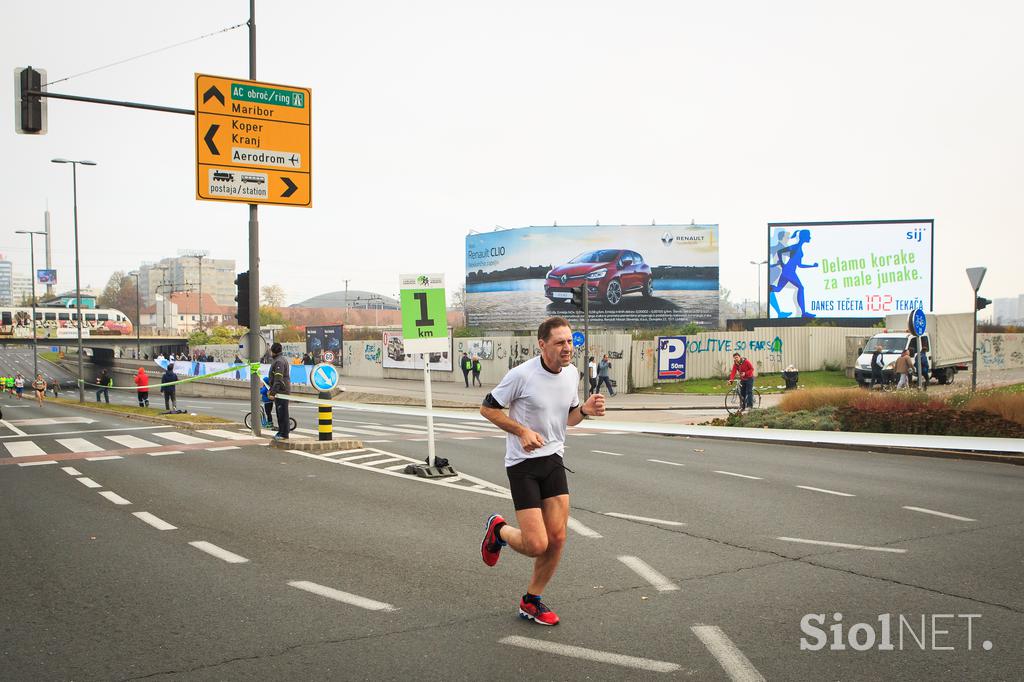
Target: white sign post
425, 331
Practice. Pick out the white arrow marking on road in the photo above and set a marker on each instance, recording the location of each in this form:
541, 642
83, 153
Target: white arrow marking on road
732, 660
590, 654
642, 569
844, 545
938, 513
50, 421
338, 595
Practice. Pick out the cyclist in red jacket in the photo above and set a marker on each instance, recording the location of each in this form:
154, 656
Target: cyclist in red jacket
743, 367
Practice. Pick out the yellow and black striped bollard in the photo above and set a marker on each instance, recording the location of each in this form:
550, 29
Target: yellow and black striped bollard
325, 418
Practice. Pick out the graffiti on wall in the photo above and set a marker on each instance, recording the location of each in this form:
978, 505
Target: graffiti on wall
372, 352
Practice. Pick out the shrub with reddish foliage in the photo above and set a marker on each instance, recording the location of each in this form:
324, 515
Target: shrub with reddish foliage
931, 417
1009, 406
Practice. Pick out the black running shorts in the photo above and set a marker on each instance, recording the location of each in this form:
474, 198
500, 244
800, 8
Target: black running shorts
536, 479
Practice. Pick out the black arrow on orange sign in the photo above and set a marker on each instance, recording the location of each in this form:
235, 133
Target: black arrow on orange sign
213, 93
208, 139
291, 187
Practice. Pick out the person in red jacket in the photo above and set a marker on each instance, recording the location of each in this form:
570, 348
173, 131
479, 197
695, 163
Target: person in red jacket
142, 382
743, 367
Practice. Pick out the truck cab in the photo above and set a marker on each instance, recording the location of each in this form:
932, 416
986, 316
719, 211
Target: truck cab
892, 344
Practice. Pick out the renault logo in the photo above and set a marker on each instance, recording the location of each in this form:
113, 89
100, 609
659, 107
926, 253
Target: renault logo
564, 279
667, 239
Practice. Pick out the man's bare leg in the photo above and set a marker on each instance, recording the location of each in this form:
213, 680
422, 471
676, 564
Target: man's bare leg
541, 534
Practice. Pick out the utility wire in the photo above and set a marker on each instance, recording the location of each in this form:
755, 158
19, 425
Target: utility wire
146, 54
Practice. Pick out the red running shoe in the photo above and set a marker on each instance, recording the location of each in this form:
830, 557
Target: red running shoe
537, 612
490, 546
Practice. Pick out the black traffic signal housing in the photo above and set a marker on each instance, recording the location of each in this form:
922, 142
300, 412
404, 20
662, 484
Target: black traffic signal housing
579, 296
242, 298
980, 302
31, 108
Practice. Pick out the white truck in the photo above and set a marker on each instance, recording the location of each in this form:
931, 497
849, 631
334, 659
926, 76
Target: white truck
946, 343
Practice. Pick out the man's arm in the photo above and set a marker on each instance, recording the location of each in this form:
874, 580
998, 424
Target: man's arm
594, 407
492, 410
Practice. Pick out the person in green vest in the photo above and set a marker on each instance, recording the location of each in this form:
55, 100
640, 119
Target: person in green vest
10, 385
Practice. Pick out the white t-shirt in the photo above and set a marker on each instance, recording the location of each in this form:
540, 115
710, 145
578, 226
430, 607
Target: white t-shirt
539, 400
592, 366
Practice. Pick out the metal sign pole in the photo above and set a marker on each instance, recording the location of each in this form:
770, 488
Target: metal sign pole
254, 264
586, 339
430, 410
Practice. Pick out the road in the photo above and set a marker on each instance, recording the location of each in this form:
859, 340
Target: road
159, 553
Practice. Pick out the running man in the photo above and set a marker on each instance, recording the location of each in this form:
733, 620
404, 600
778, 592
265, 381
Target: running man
541, 397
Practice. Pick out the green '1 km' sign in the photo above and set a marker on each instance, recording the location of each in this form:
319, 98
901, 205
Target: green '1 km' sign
424, 313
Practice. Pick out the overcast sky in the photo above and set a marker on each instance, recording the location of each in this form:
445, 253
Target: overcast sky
431, 119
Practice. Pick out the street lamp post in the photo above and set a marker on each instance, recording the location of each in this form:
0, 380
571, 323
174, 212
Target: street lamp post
32, 264
138, 316
78, 280
758, 264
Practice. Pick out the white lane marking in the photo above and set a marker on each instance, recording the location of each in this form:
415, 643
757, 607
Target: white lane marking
338, 595
843, 545
88, 482
642, 569
504, 435
133, 441
437, 427
386, 460
25, 448
630, 517
585, 531
581, 434
662, 461
37, 464
103, 458
605, 452
397, 467
938, 513
732, 660
154, 521
79, 445
316, 432
214, 550
730, 473
167, 452
826, 491
476, 427
71, 471
382, 430
376, 441
468, 438
114, 497
228, 435
590, 654
364, 455
182, 438
16, 430
222, 448
79, 432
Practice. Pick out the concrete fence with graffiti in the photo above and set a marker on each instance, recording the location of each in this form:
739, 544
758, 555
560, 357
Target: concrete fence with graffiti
1000, 351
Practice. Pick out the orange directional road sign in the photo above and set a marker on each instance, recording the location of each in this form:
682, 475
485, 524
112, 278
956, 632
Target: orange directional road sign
253, 142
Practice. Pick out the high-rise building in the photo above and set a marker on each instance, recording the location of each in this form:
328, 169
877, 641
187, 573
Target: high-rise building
1008, 310
21, 289
182, 273
6, 281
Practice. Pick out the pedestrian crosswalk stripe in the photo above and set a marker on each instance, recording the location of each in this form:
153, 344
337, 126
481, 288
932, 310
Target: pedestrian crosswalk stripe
133, 441
182, 438
25, 448
405, 428
79, 445
229, 435
478, 427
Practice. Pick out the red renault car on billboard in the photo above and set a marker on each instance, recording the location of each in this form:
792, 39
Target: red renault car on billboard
608, 273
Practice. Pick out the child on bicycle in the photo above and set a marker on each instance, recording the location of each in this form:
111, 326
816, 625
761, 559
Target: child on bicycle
268, 404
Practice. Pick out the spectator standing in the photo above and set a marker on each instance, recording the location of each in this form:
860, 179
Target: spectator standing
142, 387
592, 374
877, 365
268, 404
280, 385
102, 386
603, 368
903, 365
477, 368
170, 393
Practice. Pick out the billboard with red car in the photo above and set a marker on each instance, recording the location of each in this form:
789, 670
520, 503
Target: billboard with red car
635, 276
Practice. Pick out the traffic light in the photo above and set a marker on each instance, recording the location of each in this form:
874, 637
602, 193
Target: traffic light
579, 296
980, 302
242, 298
30, 109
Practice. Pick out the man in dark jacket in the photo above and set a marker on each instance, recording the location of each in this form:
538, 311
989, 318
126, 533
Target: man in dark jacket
877, 364
280, 384
170, 399
466, 365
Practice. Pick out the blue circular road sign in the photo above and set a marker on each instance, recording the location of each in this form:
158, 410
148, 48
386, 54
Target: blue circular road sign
919, 321
324, 377
578, 339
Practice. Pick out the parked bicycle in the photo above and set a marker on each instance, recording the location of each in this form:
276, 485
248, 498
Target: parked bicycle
292, 424
734, 402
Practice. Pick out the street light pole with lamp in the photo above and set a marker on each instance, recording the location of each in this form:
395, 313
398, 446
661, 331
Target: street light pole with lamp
759, 264
32, 264
138, 316
78, 280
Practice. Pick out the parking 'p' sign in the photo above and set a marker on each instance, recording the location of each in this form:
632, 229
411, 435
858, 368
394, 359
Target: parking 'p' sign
424, 313
671, 357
